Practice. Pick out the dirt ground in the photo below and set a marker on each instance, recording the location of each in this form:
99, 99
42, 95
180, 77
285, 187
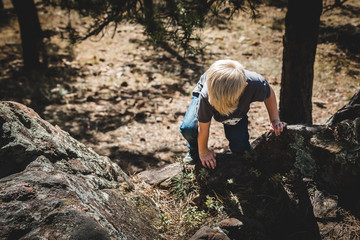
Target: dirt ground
126, 99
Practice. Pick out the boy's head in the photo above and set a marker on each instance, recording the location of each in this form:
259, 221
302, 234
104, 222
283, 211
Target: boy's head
225, 81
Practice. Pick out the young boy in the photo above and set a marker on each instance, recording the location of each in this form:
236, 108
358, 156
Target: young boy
225, 92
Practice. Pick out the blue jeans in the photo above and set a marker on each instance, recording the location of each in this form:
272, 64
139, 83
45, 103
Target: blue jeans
237, 135
189, 127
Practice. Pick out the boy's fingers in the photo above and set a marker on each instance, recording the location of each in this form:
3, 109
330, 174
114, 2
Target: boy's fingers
280, 128
209, 162
213, 163
205, 164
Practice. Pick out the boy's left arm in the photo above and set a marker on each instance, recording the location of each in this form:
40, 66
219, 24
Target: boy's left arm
276, 125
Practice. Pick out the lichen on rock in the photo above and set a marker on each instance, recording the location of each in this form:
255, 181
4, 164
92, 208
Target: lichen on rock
304, 162
52, 186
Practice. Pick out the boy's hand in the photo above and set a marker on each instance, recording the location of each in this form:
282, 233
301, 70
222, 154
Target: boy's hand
277, 127
208, 159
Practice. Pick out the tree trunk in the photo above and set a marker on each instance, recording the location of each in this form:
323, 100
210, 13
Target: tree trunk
300, 40
30, 30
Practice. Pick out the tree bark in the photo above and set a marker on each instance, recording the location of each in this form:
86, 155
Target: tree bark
300, 40
30, 31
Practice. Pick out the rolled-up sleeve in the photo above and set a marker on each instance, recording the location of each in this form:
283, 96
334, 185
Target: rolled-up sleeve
261, 89
204, 110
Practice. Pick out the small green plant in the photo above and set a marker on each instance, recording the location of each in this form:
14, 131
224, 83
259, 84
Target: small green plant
255, 172
203, 174
276, 179
235, 202
214, 205
192, 217
165, 222
234, 199
230, 181
184, 184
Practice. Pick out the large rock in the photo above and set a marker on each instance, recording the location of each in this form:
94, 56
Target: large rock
326, 154
54, 187
298, 185
206, 233
161, 176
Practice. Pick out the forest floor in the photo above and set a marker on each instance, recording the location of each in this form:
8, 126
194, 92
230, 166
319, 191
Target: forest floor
126, 99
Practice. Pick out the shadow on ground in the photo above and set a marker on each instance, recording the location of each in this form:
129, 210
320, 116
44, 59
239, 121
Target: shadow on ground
6, 16
133, 163
34, 88
346, 36
269, 207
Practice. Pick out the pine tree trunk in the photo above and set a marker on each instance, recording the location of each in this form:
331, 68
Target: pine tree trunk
30, 31
300, 40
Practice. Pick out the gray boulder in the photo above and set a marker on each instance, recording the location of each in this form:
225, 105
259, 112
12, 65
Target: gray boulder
54, 187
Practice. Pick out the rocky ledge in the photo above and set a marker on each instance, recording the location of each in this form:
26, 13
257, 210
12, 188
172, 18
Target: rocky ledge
54, 187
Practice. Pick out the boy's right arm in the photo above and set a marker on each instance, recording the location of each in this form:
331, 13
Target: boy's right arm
207, 157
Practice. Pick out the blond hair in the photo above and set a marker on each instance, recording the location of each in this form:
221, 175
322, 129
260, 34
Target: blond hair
225, 81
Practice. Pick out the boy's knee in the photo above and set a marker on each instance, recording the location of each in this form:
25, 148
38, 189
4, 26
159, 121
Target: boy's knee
188, 131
